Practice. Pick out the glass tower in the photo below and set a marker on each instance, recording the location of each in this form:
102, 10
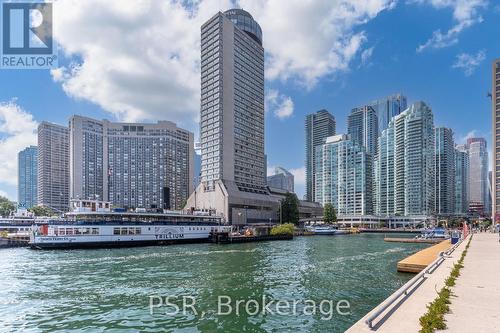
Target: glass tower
461, 180
27, 177
362, 126
444, 171
318, 126
343, 176
387, 108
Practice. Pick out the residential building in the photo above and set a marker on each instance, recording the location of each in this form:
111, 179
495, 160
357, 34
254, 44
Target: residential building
132, 165
362, 126
405, 166
53, 167
27, 177
318, 127
495, 92
387, 108
461, 180
233, 175
478, 173
281, 179
444, 171
343, 176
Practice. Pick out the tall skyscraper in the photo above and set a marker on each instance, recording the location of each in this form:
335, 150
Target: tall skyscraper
495, 70
444, 171
362, 126
319, 126
405, 166
343, 176
233, 175
132, 165
461, 180
478, 173
27, 177
281, 179
387, 108
53, 166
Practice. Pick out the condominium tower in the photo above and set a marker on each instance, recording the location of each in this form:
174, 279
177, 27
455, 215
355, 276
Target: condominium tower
318, 126
387, 108
27, 177
53, 167
405, 167
132, 165
343, 176
362, 126
496, 139
461, 180
233, 167
444, 171
478, 187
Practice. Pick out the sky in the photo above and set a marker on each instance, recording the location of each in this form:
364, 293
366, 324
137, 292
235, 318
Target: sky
140, 61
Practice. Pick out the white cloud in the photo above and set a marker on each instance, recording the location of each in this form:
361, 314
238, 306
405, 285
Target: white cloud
469, 62
17, 131
139, 60
281, 105
465, 14
366, 55
299, 175
471, 134
307, 40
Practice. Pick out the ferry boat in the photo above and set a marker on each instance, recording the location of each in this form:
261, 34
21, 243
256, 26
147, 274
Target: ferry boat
326, 230
93, 224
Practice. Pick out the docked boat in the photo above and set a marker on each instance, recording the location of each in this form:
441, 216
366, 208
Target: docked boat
326, 230
93, 224
436, 233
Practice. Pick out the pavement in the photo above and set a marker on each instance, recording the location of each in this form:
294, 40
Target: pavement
475, 306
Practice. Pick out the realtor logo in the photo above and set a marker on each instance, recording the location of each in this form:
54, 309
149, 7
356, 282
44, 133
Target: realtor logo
27, 40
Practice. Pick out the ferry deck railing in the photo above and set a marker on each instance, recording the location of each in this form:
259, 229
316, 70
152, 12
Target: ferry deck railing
415, 281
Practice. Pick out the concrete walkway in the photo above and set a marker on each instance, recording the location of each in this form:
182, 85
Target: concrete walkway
404, 318
476, 307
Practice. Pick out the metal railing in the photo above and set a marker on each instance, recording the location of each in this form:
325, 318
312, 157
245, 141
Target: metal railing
410, 284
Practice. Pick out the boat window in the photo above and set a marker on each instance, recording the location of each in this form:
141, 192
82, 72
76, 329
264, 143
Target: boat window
116, 231
137, 231
69, 231
62, 231
123, 231
95, 231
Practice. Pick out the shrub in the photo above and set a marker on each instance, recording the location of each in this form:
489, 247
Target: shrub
283, 229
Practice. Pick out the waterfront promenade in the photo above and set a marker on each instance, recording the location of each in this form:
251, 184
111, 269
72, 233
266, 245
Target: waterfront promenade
474, 306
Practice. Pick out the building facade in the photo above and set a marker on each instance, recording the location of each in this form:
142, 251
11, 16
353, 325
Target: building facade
495, 193
387, 108
233, 166
405, 167
318, 126
27, 161
461, 180
362, 126
343, 176
445, 184
132, 165
281, 179
478, 173
53, 166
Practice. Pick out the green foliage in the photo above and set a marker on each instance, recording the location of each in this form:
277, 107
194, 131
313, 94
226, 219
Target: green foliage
6, 206
290, 208
283, 230
42, 211
329, 214
433, 319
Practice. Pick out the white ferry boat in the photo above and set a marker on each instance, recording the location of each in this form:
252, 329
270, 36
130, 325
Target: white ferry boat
93, 224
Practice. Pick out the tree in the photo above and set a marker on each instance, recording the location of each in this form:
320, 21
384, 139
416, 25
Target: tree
290, 208
329, 214
42, 211
6, 206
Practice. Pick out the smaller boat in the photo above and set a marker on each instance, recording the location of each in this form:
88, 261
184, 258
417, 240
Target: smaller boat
326, 230
436, 233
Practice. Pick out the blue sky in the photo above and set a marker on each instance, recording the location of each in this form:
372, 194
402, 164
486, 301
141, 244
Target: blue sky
330, 54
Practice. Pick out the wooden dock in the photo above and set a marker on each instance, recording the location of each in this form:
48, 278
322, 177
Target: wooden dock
418, 261
412, 240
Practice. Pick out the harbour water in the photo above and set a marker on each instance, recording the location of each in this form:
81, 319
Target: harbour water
112, 290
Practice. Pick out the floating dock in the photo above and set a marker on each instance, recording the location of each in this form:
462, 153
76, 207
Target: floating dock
412, 240
419, 261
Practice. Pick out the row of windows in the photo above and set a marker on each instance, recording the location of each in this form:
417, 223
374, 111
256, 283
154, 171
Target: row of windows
126, 231
76, 231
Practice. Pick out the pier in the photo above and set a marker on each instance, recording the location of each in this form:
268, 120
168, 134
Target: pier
474, 304
420, 260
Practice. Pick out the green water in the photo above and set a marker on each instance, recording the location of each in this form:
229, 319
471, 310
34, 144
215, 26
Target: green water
109, 290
